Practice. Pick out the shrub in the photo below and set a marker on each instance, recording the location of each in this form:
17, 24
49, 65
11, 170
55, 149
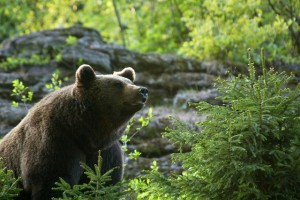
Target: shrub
248, 148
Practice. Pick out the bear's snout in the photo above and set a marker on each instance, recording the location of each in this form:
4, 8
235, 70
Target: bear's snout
144, 93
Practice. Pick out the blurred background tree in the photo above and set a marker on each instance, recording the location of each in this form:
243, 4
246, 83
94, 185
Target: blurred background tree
203, 29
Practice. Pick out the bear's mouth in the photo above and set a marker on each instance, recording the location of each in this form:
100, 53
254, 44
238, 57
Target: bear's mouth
136, 104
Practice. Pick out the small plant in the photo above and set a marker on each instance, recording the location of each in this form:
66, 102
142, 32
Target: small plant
134, 155
8, 184
58, 57
140, 123
80, 62
95, 189
21, 92
56, 82
71, 40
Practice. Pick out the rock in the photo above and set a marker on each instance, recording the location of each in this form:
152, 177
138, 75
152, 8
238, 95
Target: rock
48, 45
34, 77
179, 64
4, 129
74, 55
171, 83
37, 74
49, 41
214, 67
153, 148
11, 116
6, 84
184, 97
7, 78
119, 56
152, 62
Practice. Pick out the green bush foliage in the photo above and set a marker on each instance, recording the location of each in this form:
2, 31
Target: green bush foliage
8, 184
248, 148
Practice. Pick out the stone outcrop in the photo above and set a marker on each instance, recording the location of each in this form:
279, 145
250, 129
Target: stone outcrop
163, 74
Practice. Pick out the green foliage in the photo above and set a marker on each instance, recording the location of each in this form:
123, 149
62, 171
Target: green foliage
14, 62
8, 184
134, 155
145, 120
21, 92
223, 29
205, 29
154, 185
56, 82
95, 189
289, 11
134, 126
71, 40
248, 148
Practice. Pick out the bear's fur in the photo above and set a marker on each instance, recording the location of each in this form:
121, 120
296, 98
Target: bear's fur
70, 126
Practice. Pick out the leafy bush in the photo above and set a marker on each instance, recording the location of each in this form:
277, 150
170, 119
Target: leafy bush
8, 184
248, 147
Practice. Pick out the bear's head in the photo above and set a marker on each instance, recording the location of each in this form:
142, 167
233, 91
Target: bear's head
114, 95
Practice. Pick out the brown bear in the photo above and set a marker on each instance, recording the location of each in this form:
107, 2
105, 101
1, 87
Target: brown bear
70, 126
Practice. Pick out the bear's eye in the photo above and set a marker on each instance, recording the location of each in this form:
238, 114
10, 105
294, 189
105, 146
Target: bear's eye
118, 84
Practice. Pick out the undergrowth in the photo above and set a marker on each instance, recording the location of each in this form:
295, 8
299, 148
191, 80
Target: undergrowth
248, 148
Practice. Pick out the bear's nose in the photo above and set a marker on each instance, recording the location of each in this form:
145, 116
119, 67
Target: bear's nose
144, 93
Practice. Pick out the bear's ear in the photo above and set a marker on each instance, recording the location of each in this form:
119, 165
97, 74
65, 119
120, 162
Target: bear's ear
127, 72
84, 75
